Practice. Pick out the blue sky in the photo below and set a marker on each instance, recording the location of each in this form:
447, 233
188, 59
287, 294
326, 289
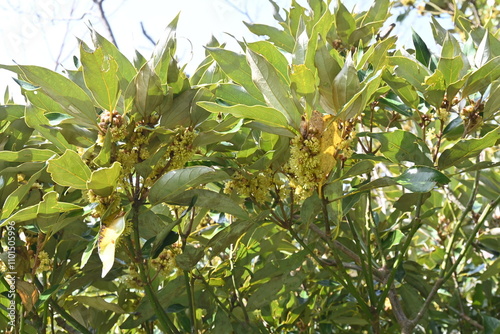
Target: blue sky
45, 32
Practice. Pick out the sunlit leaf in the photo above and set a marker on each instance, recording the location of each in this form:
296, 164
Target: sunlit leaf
69, 170
109, 233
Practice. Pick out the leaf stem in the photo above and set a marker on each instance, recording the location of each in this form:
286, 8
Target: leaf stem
346, 282
162, 316
402, 252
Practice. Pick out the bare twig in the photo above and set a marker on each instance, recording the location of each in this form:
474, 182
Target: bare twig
105, 19
145, 33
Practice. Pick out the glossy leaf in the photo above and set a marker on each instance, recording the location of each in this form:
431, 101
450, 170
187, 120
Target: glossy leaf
421, 179
482, 77
17, 196
399, 146
174, 182
280, 38
266, 115
422, 52
209, 200
345, 85
402, 89
467, 148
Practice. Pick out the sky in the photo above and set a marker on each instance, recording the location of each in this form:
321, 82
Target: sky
46, 32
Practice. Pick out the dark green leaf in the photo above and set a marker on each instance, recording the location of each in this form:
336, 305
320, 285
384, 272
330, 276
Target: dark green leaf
467, 148
421, 179
176, 181
399, 146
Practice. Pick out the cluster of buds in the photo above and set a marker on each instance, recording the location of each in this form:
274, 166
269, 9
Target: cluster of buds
165, 262
43, 263
111, 121
472, 116
256, 185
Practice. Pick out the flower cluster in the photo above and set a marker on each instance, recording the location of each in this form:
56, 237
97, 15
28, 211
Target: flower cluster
165, 262
181, 148
44, 263
305, 161
472, 117
113, 122
256, 185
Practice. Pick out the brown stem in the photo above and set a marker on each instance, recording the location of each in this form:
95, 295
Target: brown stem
105, 19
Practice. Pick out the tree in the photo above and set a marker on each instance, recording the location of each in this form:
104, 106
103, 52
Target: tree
319, 181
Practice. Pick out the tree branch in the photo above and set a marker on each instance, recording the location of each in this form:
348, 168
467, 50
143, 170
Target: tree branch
105, 19
145, 33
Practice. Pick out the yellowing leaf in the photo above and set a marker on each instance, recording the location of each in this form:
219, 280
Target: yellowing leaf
106, 243
330, 141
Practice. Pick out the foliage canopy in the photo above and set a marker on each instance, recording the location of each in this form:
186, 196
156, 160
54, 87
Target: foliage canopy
318, 181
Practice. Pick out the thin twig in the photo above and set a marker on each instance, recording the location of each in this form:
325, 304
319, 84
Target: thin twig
106, 22
145, 33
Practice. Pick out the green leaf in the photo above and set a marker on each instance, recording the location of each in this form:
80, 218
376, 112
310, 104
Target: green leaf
410, 69
266, 115
163, 55
310, 208
100, 74
176, 181
273, 56
234, 94
280, 38
27, 154
482, 77
17, 196
345, 85
69, 170
275, 92
72, 98
126, 70
99, 303
422, 53
399, 146
103, 181
35, 119
467, 148
209, 200
344, 22
104, 157
491, 239
421, 179
237, 69
492, 105
302, 80
436, 86
144, 94
48, 206
11, 112
355, 106
402, 88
